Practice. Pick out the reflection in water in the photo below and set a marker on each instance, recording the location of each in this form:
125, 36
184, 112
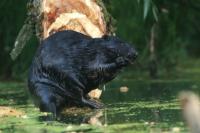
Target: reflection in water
143, 91
143, 104
80, 116
96, 118
150, 106
92, 117
146, 102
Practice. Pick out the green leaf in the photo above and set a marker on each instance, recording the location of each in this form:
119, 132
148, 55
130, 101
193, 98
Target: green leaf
147, 4
22, 39
155, 12
138, 1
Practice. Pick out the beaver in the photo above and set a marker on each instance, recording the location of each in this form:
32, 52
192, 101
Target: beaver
68, 65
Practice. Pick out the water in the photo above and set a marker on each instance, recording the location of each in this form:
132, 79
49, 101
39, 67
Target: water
147, 106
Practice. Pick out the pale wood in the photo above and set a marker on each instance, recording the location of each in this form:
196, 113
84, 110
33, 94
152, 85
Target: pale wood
83, 16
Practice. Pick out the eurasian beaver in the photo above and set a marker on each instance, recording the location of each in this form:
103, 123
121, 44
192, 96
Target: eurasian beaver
68, 65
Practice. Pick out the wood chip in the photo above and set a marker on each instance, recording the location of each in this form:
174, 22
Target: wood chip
124, 89
96, 94
8, 111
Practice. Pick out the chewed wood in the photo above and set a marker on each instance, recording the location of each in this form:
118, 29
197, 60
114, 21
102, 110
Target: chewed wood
84, 16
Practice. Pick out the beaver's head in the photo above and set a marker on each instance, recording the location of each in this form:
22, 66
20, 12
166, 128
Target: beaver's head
118, 48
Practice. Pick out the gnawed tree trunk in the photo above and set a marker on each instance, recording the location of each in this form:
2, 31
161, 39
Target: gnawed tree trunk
46, 17
80, 15
85, 16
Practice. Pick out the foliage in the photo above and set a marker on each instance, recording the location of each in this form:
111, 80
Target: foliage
177, 31
175, 28
147, 5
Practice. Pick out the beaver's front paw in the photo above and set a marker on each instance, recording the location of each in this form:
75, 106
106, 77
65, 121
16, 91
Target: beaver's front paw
120, 61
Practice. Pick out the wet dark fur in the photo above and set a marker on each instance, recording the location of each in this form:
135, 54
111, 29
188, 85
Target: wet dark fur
68, 65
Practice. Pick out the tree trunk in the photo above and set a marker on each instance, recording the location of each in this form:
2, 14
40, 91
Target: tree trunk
152, 61
85, 16
46, 17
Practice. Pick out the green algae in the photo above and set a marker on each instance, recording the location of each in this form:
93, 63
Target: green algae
148, 106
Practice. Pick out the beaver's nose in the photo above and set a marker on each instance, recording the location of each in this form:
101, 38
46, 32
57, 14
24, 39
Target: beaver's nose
133, 55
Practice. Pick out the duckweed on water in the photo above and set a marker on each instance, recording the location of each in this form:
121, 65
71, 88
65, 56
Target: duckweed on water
146, 107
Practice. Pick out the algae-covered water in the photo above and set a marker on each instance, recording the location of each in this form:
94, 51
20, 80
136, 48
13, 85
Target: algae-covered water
149, 106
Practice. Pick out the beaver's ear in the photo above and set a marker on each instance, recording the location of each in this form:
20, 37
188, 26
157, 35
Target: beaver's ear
106, 37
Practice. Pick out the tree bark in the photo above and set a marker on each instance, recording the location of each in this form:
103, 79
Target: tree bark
152, 61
